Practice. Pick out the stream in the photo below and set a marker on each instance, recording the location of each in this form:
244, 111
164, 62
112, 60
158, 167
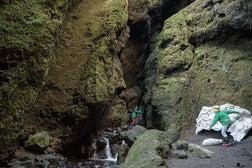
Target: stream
100, 159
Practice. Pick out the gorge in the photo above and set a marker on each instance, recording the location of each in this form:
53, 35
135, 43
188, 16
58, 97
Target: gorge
75, 68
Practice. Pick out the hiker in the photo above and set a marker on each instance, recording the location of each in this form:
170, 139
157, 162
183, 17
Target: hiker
134, 114
140, 116
223, 118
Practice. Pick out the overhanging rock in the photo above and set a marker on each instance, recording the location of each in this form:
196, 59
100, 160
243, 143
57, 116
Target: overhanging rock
241, 123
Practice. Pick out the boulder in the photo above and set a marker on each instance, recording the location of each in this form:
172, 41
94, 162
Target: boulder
37, 142
143, 153
200, 151
122, 153
181, 154
131, 135
150, 149
182, 145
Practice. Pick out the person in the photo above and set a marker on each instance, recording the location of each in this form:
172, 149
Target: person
140, 116
223, 118
134, 114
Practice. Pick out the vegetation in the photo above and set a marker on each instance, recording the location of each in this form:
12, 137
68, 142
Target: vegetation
28, 34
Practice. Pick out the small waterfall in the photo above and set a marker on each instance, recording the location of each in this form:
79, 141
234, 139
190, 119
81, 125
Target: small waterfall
108, 152
123, 143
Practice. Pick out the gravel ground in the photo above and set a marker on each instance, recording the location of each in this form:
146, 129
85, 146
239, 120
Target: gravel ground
238, 155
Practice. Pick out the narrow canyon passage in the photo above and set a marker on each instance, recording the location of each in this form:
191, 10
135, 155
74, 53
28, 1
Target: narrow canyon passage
74, 70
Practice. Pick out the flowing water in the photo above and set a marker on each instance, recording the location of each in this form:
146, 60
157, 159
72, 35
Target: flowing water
94, 162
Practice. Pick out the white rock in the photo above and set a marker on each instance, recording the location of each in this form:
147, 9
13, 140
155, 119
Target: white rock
241, 123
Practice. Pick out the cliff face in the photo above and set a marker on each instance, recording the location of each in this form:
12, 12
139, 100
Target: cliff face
202, 57
29, 30
85, 72
59, 67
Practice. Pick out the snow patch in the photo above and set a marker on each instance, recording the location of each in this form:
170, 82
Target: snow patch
242, 123
212, 141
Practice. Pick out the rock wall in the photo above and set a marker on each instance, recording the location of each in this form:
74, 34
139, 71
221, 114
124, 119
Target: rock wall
29, 30
59, 67
85, 73
202, 57
66, 67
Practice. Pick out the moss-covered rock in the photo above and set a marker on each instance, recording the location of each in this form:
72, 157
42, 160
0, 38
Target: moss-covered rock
37, 142
116, 112
102, 75
29, 31
202, 57
143, 153
150, 149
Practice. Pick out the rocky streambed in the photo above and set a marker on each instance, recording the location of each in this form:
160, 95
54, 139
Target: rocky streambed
108, 148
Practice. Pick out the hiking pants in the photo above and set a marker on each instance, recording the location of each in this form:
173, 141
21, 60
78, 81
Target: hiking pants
224, 131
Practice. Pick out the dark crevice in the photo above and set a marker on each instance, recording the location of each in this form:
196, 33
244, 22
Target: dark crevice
119, 90
137, 50
166, 42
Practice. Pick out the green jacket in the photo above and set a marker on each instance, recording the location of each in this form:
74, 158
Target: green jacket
223, 117
134, 113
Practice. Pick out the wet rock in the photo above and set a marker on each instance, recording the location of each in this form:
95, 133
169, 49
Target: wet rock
25, 164
114, 149
100, 143
179, 154
51, 158
122, 153
41, 163
24, 156
199, 151
182, 145
131, 135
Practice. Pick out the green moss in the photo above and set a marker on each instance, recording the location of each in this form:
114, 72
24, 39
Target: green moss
99, 84
143, 153
40, 139
166, 97
28, 34
152, 4
13, 106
